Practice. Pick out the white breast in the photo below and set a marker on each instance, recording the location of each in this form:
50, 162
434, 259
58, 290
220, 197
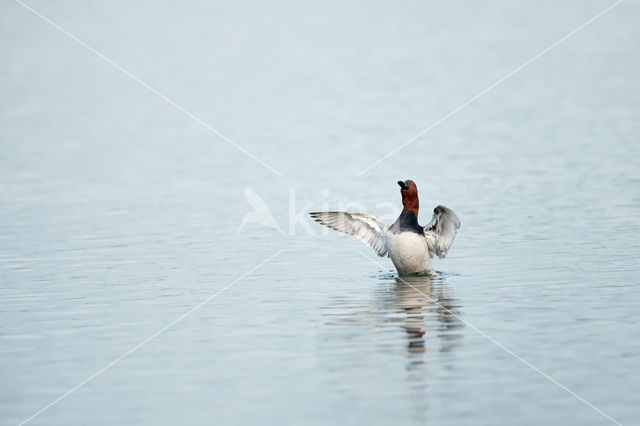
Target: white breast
409, 253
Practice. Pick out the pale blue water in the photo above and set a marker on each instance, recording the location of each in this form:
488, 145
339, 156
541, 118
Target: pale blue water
119, 213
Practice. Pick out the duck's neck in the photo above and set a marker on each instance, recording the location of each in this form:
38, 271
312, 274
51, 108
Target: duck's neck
410, 203
409, 218
410, 207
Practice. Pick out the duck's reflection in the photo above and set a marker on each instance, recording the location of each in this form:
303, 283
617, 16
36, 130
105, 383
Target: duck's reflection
431, 313
424, 307
367, 332
430, 316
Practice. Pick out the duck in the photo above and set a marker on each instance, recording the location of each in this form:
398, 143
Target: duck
409, 245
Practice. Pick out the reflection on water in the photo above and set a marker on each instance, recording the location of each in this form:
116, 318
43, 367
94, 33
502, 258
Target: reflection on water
424, 307
411, 322
431, 313
419, 314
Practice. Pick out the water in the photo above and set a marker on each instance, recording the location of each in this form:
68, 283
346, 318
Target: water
119, 213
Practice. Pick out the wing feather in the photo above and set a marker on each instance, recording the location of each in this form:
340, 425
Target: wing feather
371, 230
441, 231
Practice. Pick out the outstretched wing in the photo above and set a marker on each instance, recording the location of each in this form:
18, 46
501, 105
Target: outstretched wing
368, 228
441, 231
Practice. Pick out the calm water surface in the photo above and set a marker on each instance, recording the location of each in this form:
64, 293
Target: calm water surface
119, 213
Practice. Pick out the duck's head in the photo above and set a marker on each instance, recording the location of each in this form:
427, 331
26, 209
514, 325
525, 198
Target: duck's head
409, 192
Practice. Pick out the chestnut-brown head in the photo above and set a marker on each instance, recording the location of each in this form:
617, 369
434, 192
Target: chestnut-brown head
409, 192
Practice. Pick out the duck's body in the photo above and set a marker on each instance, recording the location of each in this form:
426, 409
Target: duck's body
409, 245
409, 253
